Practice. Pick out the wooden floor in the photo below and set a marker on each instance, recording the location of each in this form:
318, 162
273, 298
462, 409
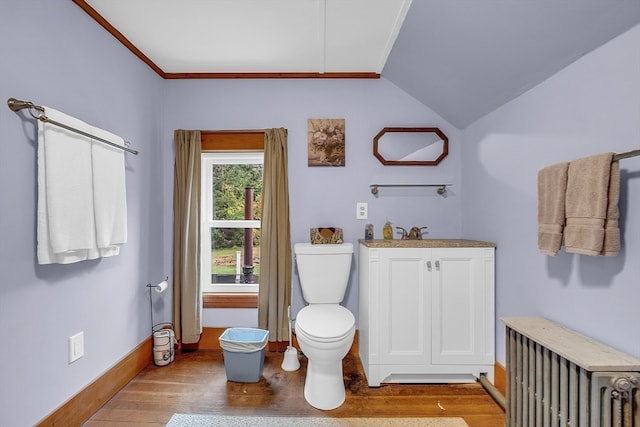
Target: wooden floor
196, 383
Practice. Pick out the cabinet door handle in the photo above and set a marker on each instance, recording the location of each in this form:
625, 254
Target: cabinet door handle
429, 265
438, 265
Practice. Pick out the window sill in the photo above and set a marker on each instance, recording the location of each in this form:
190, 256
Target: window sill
230, 300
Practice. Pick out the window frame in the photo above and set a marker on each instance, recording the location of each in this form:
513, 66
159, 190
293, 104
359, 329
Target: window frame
208, 159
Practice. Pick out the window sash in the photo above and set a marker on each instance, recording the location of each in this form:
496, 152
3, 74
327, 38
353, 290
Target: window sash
234, 223
209, 159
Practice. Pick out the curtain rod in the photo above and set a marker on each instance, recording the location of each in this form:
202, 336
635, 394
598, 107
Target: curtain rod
17, 105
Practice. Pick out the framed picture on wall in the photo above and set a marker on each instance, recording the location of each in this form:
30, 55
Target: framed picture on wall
326, 143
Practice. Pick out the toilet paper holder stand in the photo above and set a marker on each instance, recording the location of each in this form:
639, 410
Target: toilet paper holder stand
159, 288
164, 342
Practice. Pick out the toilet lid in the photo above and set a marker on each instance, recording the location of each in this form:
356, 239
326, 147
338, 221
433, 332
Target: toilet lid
325, 320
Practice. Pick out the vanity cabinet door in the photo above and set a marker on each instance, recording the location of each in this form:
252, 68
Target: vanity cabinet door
405, 306
458, 307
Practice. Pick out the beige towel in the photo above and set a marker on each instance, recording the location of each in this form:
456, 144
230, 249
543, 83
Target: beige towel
552, 186
611, 244
586, 204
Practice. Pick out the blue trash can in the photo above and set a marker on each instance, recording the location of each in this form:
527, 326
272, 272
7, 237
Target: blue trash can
243, 352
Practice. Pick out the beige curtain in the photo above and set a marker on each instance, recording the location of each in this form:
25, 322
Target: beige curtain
275, 244
187, 299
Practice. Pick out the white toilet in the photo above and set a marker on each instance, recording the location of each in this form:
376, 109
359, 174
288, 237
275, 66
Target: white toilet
324, 328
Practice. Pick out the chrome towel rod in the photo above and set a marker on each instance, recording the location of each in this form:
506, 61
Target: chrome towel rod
626, 155
17, 105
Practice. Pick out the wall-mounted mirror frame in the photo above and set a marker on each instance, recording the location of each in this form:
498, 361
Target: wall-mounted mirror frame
427, 162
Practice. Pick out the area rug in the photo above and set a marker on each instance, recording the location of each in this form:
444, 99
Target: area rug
192, 420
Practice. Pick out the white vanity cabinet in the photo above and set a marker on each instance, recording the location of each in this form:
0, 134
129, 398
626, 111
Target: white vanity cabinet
426, 310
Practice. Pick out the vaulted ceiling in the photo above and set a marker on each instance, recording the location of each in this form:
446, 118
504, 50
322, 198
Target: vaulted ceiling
461, 58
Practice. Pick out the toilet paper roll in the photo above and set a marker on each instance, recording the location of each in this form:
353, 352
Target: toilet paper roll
161, 287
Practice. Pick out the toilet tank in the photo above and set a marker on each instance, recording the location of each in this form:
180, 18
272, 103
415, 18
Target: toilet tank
323, 271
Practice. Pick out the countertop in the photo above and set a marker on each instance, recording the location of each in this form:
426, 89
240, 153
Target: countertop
426, 243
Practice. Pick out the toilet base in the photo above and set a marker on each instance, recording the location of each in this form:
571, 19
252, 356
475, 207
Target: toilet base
324, 385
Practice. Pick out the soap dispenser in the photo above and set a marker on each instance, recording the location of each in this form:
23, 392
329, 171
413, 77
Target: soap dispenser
387, 231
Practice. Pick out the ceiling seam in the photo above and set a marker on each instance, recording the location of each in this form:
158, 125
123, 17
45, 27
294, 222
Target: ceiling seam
323, 18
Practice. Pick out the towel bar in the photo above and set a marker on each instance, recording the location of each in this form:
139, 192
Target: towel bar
626, 155
442, 188
17, 105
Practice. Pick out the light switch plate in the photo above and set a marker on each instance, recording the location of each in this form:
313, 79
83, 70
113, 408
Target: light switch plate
76, 347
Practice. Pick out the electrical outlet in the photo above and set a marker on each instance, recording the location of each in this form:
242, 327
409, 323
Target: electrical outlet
362, 210
76, 347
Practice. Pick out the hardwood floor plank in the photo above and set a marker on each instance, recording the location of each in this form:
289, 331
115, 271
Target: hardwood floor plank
196, 383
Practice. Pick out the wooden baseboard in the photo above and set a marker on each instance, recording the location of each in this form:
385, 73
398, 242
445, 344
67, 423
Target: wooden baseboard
210, 335
85, 403
500, 378
209, 338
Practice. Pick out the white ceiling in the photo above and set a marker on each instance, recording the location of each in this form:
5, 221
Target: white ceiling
461, 58
250, 36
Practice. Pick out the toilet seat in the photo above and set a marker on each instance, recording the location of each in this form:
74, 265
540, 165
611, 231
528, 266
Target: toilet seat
325, 322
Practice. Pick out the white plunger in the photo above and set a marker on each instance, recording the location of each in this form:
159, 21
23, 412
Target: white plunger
290, 362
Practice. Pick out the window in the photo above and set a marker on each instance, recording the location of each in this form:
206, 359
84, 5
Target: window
231, 205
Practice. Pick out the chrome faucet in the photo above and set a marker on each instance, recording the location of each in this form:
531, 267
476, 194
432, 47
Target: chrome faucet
405, 235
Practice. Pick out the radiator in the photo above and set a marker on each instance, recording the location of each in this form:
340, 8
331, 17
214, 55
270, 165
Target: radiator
559, 378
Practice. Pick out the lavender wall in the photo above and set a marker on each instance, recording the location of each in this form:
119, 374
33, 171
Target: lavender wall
54, 54
325, 196
590, 107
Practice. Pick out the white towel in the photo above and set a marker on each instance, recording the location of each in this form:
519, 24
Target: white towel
66, 226
109, 193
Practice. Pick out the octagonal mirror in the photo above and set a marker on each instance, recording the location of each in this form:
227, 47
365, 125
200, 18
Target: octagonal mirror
410, 146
